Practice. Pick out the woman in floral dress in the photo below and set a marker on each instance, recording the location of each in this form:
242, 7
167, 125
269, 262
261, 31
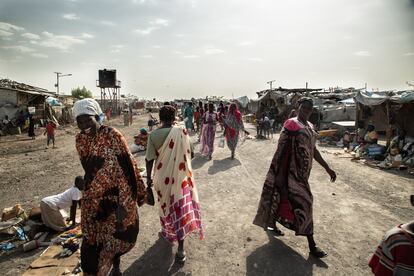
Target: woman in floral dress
113, 188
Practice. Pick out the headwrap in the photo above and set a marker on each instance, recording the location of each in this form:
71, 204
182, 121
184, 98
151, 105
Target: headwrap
87, 106
143, 131
234, 110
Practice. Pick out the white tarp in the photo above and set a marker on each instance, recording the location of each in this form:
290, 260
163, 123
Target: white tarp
244, 101
377, 98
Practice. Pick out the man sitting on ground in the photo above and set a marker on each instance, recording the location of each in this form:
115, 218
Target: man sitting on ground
50, 206
398, 142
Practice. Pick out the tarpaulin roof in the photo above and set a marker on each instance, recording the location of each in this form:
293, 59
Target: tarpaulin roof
377, 98
267, 95
25, 88
244, 101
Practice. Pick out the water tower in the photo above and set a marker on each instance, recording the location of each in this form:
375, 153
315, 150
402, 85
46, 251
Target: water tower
110, 91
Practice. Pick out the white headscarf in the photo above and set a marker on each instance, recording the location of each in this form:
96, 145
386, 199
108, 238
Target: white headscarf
87, 106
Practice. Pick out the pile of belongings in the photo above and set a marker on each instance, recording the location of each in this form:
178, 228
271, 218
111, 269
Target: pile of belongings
18, 231
22, 232
400, 154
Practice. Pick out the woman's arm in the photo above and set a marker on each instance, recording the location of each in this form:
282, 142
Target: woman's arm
318, 157
73, 212
130, 167
149, 165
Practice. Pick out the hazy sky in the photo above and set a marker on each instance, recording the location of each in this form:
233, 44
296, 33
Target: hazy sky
185, 48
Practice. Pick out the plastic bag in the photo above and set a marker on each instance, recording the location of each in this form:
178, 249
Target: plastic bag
221, 142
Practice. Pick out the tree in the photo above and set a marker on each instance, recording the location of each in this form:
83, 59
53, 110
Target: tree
81, 93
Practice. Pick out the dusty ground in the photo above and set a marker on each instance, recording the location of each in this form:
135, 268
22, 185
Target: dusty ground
351, 215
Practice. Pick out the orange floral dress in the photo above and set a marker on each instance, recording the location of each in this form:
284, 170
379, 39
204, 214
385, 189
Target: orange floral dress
113, 188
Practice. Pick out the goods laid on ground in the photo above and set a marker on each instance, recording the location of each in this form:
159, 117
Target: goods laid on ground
18, 233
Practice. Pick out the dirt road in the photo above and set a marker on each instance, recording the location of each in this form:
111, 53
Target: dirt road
350, 215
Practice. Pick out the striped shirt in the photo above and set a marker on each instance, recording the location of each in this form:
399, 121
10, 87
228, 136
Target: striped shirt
395, 254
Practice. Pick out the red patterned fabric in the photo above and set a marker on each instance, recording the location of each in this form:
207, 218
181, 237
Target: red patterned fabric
395, 254
174, 183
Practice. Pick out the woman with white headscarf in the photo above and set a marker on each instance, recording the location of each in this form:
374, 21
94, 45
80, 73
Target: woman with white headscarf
113, 188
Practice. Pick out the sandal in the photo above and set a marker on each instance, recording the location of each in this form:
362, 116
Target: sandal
116, 272
318, 253
180, 257
276, 231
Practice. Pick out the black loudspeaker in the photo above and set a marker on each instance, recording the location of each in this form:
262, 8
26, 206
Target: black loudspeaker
107, 78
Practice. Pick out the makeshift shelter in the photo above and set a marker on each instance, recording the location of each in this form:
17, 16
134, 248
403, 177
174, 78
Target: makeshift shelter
266, 101
386, 109
242, 101
15, 96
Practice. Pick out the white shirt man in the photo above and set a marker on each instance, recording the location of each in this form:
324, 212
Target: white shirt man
50, 206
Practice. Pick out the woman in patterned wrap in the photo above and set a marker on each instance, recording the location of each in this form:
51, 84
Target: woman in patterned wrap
208, 133
234, 124
286, 196
170, 151
113, 188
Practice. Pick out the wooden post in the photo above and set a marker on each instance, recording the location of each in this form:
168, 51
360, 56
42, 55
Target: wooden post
388, 131
356, 113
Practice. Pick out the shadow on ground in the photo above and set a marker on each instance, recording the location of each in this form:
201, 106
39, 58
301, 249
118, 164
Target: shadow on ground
18, 254
198, 161
223, 165
277, 258
157, 260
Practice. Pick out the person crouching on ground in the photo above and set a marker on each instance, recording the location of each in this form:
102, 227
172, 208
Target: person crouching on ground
50, 206
50, 131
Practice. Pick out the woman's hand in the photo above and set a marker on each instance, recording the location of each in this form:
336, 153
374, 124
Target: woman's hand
332, 174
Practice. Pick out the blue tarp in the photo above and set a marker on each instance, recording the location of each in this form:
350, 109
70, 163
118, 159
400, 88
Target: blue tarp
53, 101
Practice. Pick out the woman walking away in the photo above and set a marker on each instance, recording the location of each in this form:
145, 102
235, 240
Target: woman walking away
234, 124
221, 115
208, 131
197, 117
286, 195
188, 116
179, 209
113, 188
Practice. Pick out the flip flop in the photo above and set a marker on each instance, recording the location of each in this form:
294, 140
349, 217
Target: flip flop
318, 253
181, 257
276, 231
